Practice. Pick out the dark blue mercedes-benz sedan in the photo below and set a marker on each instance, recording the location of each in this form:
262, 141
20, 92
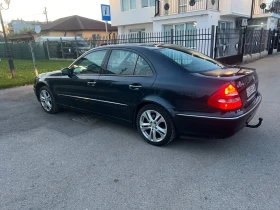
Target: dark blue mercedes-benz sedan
163, 90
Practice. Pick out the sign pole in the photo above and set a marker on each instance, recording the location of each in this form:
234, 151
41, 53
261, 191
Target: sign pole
106, 26
106, 16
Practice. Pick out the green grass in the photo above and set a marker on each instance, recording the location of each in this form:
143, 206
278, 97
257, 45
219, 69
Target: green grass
25, 73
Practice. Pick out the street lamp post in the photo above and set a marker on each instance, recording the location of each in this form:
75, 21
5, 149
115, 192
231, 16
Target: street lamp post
8, 50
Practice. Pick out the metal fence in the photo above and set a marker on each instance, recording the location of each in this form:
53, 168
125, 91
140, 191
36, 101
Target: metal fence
201, 40
22, 51
226, 45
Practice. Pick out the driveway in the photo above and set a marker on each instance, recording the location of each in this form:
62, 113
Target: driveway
73, 161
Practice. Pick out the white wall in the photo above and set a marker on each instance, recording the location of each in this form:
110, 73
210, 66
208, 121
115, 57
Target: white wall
126, 29
137, 16
204, 21
240, 8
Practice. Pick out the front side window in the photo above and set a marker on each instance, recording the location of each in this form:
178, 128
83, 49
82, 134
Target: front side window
89, 64
191, 60
121, 62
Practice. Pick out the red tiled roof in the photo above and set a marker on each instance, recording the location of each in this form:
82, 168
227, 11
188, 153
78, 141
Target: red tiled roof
76, 23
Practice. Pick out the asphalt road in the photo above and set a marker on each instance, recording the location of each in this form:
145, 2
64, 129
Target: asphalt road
72, 161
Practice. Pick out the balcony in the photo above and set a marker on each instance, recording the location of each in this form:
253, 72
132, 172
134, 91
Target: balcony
171, 7
270, 7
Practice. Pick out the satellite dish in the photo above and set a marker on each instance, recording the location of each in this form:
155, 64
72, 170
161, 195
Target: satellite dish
263, 6
192, 3
38, 29
166, 6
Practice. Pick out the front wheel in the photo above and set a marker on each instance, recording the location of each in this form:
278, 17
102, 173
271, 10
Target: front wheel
47, 100
155, 125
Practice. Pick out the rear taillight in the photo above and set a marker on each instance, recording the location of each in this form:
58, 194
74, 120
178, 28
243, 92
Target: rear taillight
227, 98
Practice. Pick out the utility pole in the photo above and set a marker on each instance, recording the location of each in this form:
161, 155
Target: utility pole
46, 13
8, 50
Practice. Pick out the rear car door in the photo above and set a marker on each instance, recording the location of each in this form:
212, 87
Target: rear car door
125, 81
79, 90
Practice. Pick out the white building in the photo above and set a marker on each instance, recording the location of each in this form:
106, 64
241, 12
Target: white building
132, 16
267, 18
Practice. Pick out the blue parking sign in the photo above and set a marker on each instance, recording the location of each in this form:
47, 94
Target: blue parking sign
106, 12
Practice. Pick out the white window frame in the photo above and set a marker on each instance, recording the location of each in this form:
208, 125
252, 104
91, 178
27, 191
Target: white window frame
129, 5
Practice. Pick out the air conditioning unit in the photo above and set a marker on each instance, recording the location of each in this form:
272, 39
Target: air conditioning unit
241, 23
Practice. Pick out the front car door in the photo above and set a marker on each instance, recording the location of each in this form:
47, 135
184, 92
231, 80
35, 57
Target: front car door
79, 90
127, 77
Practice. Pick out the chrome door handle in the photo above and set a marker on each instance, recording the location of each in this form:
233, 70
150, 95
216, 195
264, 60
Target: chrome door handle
91, 83
135, 87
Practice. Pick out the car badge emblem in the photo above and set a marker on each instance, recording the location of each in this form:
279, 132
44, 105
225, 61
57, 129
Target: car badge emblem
240, 84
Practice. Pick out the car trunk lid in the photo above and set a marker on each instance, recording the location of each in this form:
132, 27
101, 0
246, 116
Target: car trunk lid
244, 79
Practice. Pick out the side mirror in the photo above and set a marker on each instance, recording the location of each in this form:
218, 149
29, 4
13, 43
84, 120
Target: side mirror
66, 71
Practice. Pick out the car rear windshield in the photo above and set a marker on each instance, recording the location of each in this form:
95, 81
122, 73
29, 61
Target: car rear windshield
191, 60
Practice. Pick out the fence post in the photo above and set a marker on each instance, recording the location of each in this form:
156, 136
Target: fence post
172, 36
77, 50
33, 58
269, 42
114, 38
243, 42
216, 42
94, 41
62, 50
261, 40
139, 37
48, 50
278, 40
273, 40
212, 41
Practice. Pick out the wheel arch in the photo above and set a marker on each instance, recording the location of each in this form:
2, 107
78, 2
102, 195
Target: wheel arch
153, 101
39, 85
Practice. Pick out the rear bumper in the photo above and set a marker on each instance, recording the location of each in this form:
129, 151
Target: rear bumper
207, 126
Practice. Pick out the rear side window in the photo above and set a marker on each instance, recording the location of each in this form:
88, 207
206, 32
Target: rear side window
191, 60
121, 62
142, 68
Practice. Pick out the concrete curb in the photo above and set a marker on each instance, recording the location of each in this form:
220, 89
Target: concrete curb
256, 56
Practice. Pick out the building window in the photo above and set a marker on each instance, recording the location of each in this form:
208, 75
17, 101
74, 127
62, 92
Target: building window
134, 35
148, 3
128, 5
185, 34
224, 40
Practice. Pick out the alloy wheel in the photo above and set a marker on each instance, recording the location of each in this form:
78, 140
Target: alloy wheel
46, 100
153, 126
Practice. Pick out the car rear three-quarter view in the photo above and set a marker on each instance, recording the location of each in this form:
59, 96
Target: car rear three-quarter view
164, 90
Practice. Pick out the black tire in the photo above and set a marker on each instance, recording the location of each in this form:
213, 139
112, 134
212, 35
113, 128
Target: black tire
167, 125
54, 108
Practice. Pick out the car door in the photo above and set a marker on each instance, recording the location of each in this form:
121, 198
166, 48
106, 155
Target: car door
78, 90
127, 77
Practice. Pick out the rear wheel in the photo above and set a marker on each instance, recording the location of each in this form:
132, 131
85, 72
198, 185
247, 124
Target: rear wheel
155, 125
47, 100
